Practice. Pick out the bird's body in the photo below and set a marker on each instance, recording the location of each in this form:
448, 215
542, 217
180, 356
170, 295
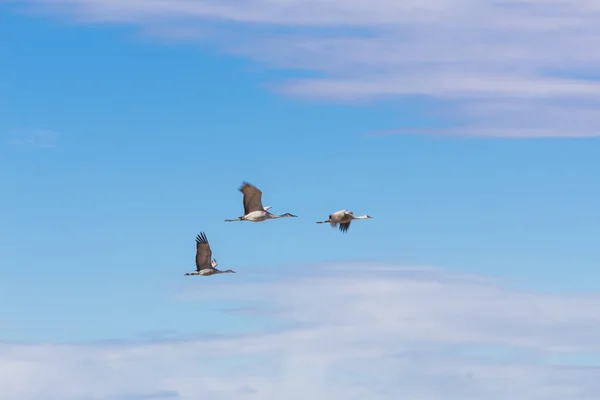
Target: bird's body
343, 218
205, 264
257, 216
253, 208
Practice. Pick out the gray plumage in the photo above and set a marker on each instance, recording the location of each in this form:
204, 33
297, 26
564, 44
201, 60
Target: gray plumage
252, 198
254, 211
203, 252
343, 218
205, 264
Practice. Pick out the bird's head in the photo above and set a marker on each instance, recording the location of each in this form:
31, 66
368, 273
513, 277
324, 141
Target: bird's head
288, 215
231, 271
369, 217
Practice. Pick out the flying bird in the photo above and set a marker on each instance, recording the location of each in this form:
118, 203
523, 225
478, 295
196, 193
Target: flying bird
253, 208
343, 218
205, 264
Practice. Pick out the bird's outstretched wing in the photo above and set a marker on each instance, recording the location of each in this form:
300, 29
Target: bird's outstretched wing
252, 198
203, 252
345, 226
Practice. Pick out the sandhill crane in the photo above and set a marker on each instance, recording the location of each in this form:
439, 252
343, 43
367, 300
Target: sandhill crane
205, 266
342, 217
253, 208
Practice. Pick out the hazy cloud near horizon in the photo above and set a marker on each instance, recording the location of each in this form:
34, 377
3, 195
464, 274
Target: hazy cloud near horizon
349, 334
518, 68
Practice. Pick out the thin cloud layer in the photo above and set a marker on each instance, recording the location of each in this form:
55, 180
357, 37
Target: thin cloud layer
350, 333
37, 139
461, 52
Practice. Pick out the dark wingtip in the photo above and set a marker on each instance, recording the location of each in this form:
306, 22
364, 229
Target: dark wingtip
243, 185
201, 238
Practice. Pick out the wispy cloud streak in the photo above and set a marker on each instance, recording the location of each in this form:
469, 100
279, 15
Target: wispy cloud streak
459, 51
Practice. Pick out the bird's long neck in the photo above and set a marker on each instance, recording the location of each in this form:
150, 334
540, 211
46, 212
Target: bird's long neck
362, 217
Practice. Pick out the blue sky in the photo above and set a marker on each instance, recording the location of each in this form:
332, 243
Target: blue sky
127, 129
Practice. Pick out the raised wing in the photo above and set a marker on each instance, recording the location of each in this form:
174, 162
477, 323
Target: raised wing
252, 198
203, 252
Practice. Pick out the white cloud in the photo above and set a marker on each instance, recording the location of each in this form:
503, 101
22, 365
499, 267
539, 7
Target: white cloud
354, 332
460, 51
